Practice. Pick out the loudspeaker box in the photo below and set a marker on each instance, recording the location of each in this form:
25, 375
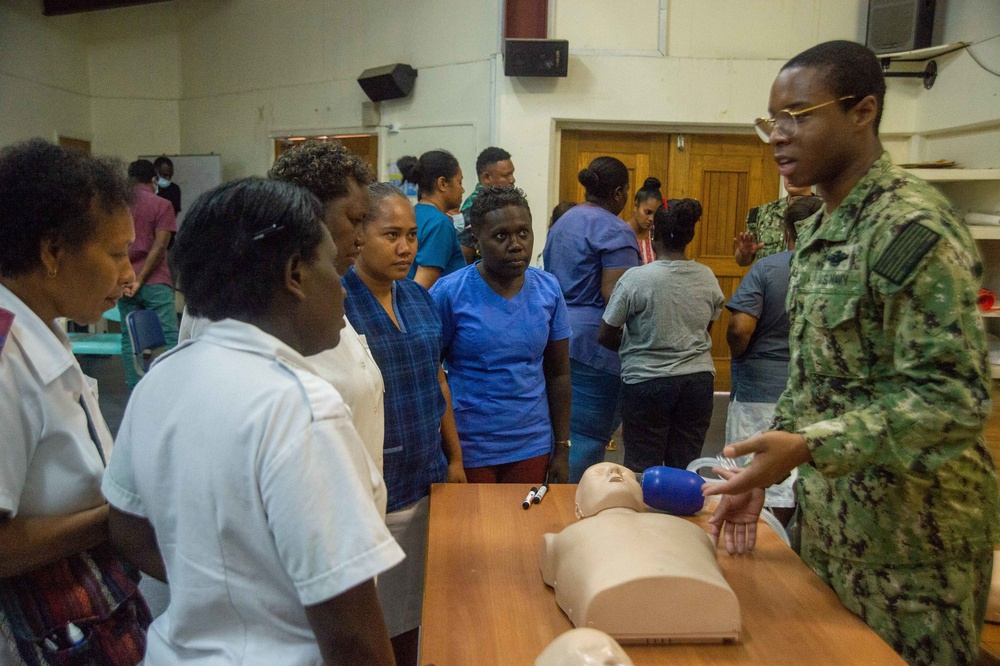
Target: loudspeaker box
535, 57
388, 82
900, 25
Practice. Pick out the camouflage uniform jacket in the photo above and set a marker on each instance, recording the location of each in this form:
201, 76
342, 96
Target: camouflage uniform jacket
767, 224
889, 379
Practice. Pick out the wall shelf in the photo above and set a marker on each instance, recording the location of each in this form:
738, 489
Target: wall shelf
983, 232
918, 55
955, 175
929, 75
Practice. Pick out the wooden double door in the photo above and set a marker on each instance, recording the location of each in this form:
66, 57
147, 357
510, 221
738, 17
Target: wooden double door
729, 174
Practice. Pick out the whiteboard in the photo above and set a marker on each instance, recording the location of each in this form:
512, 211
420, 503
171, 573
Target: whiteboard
194, 174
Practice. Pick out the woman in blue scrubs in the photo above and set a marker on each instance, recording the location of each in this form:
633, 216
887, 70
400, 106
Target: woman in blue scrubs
506, 347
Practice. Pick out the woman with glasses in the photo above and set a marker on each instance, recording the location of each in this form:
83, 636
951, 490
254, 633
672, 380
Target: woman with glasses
238, 474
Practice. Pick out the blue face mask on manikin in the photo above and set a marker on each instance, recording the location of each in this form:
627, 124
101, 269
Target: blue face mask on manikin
162, 183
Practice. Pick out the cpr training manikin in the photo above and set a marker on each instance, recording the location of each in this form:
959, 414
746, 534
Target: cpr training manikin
641, 577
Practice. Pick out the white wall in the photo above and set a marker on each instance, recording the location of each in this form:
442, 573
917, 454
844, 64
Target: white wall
133, 60
959, 118
44, 86
255, 69
714, 75
226, 77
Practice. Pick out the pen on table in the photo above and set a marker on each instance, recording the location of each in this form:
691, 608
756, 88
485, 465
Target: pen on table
540, 494
527, 500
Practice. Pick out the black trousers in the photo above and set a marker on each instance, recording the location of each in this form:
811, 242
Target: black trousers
664, 420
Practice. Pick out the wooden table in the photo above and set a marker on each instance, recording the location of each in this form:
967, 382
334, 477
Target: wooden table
485, 602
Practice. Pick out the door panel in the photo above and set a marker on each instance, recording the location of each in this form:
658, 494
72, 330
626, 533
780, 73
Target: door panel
644, 155
728, 174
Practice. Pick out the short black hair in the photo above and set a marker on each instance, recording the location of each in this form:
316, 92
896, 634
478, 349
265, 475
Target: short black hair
379, 193
560, 210
489, 157
798, 209
51, 192
650, 190
163, 159
490, 199
323, 168
229, 256
849, 68
601, 177
673, 225
425, 171
142, 171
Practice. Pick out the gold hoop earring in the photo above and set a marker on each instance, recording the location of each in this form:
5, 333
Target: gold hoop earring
52, 272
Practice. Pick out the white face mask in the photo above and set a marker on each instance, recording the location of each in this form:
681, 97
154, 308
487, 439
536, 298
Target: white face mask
162, 182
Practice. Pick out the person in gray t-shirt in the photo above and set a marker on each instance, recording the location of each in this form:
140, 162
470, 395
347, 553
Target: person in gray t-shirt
658, 319
758, 340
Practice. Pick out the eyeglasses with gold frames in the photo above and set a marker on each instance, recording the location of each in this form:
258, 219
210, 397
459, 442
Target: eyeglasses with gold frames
785, 122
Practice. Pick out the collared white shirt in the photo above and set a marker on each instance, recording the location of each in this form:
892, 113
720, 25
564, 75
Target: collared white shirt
352, 370
262, 497
49, 463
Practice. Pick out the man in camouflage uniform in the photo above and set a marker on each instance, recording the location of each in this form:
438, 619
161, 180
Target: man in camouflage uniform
765, 234
888, 380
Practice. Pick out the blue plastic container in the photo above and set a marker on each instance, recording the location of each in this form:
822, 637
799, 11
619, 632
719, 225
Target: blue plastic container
676, 491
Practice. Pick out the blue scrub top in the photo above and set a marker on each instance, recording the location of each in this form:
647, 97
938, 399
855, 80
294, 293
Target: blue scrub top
585, 241
437, 241
494, 350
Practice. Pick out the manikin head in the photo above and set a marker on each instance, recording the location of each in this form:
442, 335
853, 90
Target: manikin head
583, 647
607, 486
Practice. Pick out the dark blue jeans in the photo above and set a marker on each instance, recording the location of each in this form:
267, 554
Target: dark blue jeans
664, 420
596, 414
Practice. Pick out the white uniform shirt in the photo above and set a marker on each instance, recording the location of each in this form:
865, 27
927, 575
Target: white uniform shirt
351, 369
262, 497
49, 464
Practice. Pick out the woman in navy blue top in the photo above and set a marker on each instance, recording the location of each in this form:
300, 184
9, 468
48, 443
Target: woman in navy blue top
506, 342
399, 322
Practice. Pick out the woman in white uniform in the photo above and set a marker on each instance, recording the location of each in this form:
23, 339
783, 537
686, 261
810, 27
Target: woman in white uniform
238, 475
64, 595
340, 180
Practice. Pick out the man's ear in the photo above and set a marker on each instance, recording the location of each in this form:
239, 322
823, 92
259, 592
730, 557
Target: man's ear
294, 277
864, 112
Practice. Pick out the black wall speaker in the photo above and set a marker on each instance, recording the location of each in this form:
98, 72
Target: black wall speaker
535, 57
900, 25
388, 82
